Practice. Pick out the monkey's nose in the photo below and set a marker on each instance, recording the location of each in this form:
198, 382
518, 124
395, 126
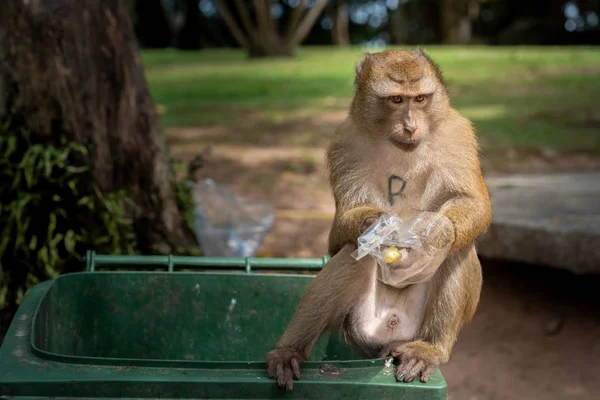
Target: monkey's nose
410, 127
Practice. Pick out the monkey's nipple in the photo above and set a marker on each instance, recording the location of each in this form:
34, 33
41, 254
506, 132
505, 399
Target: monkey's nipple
393, 321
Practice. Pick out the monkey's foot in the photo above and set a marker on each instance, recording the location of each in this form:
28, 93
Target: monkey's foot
417, 359
284, 366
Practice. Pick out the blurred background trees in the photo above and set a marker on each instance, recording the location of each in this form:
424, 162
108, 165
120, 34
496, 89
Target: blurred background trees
276, 27
266, 29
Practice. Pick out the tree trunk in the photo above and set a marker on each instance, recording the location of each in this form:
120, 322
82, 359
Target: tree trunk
262, 37
259, 39
397, 25
455, 22
71, 68
153, 27
341, 19
415, 23
187, 36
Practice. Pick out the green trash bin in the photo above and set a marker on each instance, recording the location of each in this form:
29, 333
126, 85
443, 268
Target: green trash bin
179, 334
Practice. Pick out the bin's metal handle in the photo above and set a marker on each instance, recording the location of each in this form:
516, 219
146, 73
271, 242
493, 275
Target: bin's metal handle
248, 264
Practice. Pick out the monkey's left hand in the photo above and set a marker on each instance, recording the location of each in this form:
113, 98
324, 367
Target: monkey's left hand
417, 358
434, 234
284, 365
435, 231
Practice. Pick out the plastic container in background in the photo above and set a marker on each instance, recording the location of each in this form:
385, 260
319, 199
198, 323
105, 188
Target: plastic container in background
227, 225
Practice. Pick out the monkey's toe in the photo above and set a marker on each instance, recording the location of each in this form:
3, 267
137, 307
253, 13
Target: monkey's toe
417, 360
412, 368
427, 372
284, 367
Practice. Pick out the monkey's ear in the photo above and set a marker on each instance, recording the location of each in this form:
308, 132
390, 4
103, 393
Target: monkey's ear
359, 65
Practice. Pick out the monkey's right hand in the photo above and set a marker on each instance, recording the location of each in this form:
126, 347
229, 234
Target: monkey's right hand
284, 366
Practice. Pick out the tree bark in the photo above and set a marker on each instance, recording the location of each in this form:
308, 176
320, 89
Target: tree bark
306, 24
249, 26
455, 22
340, 31
267, 40
294, 19
397, 25
236, 31
71, 68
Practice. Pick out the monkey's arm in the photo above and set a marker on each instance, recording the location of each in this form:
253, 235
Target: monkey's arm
354, 211
349, 224
470, 210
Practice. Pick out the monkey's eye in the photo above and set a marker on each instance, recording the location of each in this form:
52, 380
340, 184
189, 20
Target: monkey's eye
396, 99
420, 98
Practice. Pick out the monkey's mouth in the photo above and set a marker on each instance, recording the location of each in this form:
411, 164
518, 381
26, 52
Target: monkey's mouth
406, 145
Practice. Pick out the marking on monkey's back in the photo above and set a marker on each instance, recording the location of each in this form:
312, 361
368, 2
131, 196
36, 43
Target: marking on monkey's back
396, 186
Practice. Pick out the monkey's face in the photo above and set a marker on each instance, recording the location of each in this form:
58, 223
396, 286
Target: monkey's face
407, 118
400, 96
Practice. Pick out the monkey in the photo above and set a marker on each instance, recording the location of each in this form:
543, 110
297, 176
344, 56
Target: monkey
402, 149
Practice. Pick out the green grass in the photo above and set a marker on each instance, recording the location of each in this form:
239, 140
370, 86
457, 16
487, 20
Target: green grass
524, 97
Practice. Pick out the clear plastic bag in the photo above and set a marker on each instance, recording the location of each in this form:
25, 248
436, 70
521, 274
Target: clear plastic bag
227, 225
407, 251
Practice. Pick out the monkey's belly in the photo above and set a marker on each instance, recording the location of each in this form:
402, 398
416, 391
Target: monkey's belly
388, 315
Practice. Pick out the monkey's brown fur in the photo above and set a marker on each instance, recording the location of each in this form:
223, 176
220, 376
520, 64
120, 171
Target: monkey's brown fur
400, 123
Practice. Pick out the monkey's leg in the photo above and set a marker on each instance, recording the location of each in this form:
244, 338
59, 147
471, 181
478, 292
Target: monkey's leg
325, 304
453, 295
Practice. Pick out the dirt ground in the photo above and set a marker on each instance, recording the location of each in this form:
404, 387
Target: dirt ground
536, 334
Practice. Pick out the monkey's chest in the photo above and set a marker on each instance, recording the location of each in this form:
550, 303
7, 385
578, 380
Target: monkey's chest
388, 315
401, 192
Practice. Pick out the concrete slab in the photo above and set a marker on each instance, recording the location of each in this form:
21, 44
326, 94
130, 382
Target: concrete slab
552, 220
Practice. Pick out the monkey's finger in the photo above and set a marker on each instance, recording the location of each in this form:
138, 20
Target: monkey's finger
289, 379
280, 375
272, 369
408, 366
427, 372
295, 367
404, 370
414, 371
